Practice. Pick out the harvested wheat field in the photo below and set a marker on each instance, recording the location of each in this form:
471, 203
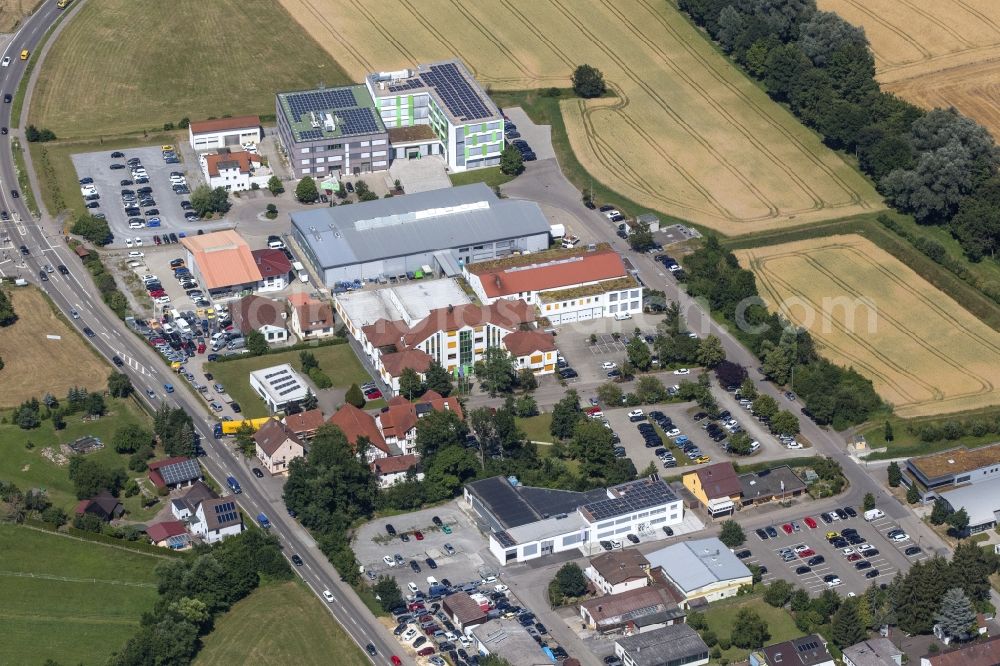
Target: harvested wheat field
686, 134
934, 54
924, 352
34, 364
13, 11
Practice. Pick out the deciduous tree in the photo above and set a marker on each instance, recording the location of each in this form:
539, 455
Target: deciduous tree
588, 81
732, 534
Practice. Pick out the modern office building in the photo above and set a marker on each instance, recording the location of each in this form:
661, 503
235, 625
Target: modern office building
936, 473
332, 132
436, 231
278, 386
439, 109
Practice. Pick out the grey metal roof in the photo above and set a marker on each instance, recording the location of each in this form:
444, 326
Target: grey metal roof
508, 639
694, 564
980, 501
663, 646
874, 652
416, 223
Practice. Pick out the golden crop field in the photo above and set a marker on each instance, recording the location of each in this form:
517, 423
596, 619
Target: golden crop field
934, 54
35, 365
924, 352
12, 11
686, 133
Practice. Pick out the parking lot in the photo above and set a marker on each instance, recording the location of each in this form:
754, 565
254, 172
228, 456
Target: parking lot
586, 358
787, 554
108, 184
681, 415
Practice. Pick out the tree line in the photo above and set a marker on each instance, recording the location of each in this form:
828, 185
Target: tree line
938, 165
832, 394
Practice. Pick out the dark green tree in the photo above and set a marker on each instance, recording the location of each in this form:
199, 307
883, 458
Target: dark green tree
785, 423
7, 314
641, 238
496, 371
257, 343
740, 443
388, 594
354, 396
895, 476
710, 352
93, 229
765, 406
310, 401
956, 614
511, 161
588, 81
941, 511
749, 630
437, 431
410, 386
131, 437
778, 593
610, 394
245, 442
638, 353
438, 379
571, 581
275, 186
959, 522
731, 534
90, 476
206, 201
119, 385
848, 627
912, 494
526, 380
306, 191
868, 503
565, 415
888, 433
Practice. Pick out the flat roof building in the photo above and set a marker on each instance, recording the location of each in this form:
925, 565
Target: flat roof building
408, 303
933, 474
278, 386
980, 501
331, 132
702, 568
441, 229
873, 652
466, 126
673, 645
224, 132
509, 640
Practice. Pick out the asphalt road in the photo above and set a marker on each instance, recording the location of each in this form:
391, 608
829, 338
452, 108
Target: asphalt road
145, 368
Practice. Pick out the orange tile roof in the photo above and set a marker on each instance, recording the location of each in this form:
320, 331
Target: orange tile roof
312, 313
394, 464
305, 422
416, 359
227, 160
221, 124
223, 259
385, 332
356, 423
504, 314
559, 274
401, 415
525, 343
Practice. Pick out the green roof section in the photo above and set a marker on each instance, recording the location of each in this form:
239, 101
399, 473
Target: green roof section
351, 109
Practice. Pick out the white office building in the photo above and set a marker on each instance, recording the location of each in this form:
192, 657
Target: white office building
278, 386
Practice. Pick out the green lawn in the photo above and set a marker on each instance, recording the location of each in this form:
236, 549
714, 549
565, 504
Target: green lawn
721, 615
905, 443
280, 624
27, 468
491, 176
537, 428
337, 361
122, 66
78, 621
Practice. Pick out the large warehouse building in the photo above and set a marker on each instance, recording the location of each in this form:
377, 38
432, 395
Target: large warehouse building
439, 231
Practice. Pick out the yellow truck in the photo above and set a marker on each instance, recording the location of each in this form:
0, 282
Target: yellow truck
62, 4
230, 427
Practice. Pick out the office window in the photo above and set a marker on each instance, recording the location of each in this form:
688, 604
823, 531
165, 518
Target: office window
305, 150
465, 347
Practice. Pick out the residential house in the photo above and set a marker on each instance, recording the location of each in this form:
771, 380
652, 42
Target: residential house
778, 483
532, 350
216, 519
464, 611
701, 569
618, 571
103, 505
716, 486
395, 469
234, 171
257, 313
356, 424
311, 318
175, 472
169, 534
305, 424
624, 611
672, 645
277, 446
398, 421
806, 651
186, 504
275, 269
978, 653
873, 652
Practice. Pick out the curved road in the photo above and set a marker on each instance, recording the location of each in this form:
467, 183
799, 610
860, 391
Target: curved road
145, 368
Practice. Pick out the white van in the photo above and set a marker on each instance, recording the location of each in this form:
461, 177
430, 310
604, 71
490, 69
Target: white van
622, 316
874, 514
134, 254
412, 587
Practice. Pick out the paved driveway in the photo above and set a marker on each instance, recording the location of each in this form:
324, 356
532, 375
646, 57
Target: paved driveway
539, 137
420, 175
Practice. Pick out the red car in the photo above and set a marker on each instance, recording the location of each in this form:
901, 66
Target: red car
853, 557
156, 293
373, 394
424, 652
808, 552
418, 535
788, 528
808, 520
395, 661
201, 347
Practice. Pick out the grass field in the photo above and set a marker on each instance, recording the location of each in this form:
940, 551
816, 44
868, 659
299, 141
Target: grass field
935, 54
721, 616
685, 133
307, 633
13, 11
82, 603
537, 428
27, 468
35, 364
924, 352
122, 66
491, 176
337, 361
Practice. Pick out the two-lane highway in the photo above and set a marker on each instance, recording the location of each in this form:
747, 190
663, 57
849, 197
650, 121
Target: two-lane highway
76, 291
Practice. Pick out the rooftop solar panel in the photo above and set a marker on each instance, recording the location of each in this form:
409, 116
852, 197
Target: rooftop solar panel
504, 539
180, 472
456, 92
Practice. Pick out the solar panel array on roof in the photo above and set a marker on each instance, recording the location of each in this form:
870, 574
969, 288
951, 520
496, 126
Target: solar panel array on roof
310, 135
455, 91
636, 497
180, 472
806, 647
357, 121
319, 100
226, 512
504, 540
409, 85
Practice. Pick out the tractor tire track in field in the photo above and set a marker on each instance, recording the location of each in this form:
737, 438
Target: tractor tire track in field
856, 341
938, 22
985, 18
490, 37
387, 34
676, 117
539, 35
899, 32
855, 197
340, 39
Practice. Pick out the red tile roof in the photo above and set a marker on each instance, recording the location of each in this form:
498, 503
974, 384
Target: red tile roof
221, 124
401, 415
507, 315
162, 531
356, 423
394, 464
416, 359
385, 332
558, 274
272, 435
312, 314
253, 312
242, 160
719, 480
526, 343
983, 653
305, 422
271, 262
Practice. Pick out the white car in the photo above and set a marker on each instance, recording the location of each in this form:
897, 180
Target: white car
616, 544
138, 242
682, 371
135, 225
161, 300
465, 640
500, 588
409, 635
673, 432
128, 242
635, 413
489, 580
328, 595
611, 214
389, 560
833, 582
609, 365
135, 254
6, 61
801, 547
412, 587
150, 278
793, 445
847, 551
900, 536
